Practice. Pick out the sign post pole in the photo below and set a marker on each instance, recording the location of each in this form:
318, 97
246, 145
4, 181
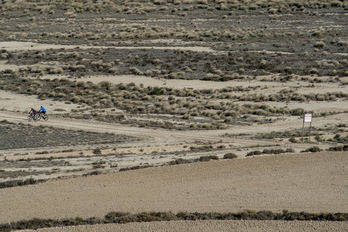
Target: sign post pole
303, 128
307, 118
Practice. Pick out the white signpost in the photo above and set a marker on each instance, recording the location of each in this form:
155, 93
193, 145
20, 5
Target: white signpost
307, 118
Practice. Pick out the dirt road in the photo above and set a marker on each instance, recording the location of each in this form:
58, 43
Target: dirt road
159, 136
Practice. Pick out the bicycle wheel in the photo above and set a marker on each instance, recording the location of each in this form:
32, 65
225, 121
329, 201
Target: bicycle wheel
30, 118
37, 117
44, 117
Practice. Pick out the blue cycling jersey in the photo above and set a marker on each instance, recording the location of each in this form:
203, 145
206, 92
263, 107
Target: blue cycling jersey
42, 109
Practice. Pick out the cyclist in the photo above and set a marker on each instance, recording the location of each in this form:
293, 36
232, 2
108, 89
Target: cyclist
42, 110
32, 111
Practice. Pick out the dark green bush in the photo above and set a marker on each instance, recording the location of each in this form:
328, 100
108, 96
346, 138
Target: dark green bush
230, 156
313, 149
297, 112
270, 151
338, 148
204, 158
208, 158
97, 151
252, 153
179, 161
273, 151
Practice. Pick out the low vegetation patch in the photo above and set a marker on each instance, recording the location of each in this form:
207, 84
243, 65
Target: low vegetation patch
15, 183
230, 156
339, 139
287, 134
313, 149
270, 151
125, 217
338, 148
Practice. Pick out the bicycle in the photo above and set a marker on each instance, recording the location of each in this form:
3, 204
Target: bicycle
41, 115
32, 116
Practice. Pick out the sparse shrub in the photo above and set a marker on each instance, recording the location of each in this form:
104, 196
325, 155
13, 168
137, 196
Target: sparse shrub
208, 158
136, 71
179, 161
203, 2
230, 156
253, 7
288, 70
14, 183
340, 139
205, 147
318, 138
135, 168
94, 173
221, 147
319, 44
273, 151
214, 157
42, 152
313, 149
99, 164
272, 10
97, 151
336, 3
313, 71
297, 112
342, 42
252, 153
152, 72
157, 91
337, 148
113, 70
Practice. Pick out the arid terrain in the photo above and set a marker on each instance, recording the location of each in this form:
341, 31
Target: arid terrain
174, 115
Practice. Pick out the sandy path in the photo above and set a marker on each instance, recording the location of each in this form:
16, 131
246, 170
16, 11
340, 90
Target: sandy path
296, 182
16, 45
160, 137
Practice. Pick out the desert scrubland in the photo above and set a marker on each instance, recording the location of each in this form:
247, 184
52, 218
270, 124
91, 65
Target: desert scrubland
174, 115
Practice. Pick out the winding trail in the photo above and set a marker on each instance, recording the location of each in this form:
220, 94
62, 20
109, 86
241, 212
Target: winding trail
159, 137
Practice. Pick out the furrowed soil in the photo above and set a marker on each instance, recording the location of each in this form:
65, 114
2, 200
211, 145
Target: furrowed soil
174, 106
298, 182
